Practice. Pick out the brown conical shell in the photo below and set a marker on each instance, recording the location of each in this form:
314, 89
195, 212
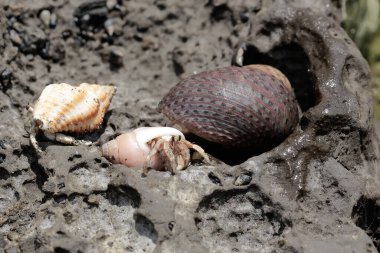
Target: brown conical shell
234, 106
65, 108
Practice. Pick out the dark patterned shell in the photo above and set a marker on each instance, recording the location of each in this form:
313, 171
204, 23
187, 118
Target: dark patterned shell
234, 106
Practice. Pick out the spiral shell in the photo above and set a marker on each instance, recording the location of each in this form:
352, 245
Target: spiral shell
234, 106
65, 108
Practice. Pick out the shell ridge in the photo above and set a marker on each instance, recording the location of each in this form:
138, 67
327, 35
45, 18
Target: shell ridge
269, 70
100, 97
47, 106
240, 96
104, 103
83, 108
264, 91
229, 137
199, 109
216, 124
234, 103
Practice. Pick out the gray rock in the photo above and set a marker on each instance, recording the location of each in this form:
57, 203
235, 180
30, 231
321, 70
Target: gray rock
111, 4
315, 192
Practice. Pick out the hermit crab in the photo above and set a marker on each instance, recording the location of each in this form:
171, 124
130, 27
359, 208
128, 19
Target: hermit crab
158, 148
65, 108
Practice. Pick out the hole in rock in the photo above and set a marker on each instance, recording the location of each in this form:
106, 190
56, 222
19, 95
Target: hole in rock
366, 215
4, 174
60, 250
82, 165
214, 179
74, 156
304, 123
171, 225
123, 196
2, 157
221, 12
292, 60
145, 227
230, 156
60, 198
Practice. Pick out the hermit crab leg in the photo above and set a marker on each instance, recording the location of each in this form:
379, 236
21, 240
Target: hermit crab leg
69, 140
33, 134
33, 140
65, 139
198, 149
153, 151
182, 153
170, 155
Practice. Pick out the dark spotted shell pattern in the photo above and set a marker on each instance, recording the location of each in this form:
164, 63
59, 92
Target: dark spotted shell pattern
234, 106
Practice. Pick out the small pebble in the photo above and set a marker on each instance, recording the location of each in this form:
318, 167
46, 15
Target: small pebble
30, 57
215, 179
6, 79
244, 16
66, 34
15, 38
85, 18
239, 56
108, 25
53, 20
45, 17
243, 180
116, 58
94, 199
111, 4
149, 42
18, 27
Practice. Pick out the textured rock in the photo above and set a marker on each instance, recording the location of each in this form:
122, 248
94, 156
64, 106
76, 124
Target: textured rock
315, 192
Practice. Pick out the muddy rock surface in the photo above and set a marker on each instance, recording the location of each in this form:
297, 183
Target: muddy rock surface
318, 191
